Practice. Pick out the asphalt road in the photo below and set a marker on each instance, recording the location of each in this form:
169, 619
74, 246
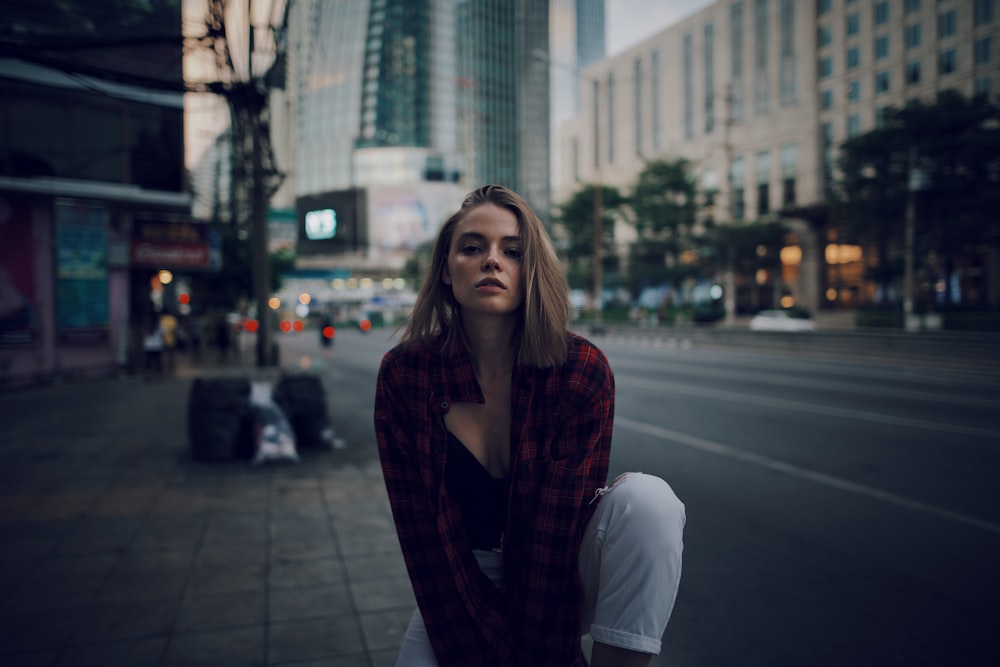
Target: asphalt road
839, 513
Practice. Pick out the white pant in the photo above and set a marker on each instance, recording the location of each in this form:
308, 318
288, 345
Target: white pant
630, 568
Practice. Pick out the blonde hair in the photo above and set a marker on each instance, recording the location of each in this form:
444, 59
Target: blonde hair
544, 314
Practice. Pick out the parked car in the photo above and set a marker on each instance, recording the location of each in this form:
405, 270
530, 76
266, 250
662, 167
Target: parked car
782, 320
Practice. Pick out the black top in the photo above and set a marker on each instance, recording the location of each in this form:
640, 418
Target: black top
482, 497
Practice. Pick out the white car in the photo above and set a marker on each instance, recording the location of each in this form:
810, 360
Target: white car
781, 320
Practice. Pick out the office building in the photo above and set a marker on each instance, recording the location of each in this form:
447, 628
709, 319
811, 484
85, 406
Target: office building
759, 94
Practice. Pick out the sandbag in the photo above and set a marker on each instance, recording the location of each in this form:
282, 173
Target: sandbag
303, 400
217, 418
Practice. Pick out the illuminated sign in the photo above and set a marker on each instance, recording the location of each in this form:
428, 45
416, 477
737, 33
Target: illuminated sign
321, 225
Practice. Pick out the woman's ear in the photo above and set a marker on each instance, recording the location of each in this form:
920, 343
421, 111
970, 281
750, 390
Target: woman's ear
445, 275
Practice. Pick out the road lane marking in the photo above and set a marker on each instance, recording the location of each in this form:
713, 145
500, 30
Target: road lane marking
829, 410
802, 473
810, 383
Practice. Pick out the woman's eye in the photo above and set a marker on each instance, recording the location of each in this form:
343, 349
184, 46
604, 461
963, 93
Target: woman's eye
514, 253
469, 249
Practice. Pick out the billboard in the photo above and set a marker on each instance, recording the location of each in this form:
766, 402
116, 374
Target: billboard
332, 223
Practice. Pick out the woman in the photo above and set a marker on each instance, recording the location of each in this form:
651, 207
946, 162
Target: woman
494, 430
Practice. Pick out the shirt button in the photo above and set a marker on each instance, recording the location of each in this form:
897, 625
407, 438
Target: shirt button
444, 405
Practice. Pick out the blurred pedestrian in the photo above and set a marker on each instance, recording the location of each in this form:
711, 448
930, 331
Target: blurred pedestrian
223, 336
168, 329
494, 429
152, 348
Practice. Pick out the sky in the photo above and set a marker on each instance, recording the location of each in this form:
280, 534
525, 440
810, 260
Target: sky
628, 22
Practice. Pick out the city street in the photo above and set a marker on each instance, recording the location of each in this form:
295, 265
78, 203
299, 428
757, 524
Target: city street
839, 513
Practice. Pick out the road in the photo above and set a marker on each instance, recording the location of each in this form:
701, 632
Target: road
839, 513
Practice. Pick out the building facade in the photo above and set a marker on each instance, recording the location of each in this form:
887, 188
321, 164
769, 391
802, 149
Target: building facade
93, 199
414, 104
759, 94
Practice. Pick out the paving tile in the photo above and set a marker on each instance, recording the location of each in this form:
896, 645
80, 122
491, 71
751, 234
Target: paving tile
315, 546
357, 544
308, 602
33, 659
298, 572
378, 594
386, 658
219, 555
171, 531
63, 593
384, 630
24, 631
315, 638
375, 566
95, 566
109, 623
154, 561
131, 587
228, 578
134, 653
225, 610
235, 647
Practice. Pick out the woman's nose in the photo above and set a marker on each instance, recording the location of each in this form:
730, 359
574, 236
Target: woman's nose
492, 260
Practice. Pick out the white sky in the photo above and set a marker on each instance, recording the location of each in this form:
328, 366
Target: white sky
628, 22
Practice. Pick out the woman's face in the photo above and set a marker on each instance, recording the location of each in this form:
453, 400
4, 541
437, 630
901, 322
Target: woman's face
484, 262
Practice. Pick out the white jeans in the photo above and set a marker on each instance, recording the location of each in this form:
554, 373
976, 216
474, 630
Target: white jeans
630, 569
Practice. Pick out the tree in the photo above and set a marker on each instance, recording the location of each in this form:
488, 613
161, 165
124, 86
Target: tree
953, 145
663, 205
575, 235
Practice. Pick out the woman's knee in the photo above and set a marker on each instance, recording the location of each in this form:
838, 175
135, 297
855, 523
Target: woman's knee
644, 503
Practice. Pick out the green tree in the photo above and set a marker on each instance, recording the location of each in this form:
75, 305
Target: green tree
663, 205
954, 144
575, 233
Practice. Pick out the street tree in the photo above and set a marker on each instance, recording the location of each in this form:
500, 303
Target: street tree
663, 206
576, 220
945, 158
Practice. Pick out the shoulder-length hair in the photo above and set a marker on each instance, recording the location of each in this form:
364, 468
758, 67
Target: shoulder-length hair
544, 313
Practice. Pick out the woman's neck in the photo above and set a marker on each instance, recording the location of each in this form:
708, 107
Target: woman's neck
491, 344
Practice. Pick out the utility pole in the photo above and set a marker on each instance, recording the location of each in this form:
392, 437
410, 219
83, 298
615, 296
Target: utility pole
248, 97
598, 252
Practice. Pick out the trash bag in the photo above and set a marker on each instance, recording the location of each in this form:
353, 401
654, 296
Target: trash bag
218, 409
303, 399
273, 435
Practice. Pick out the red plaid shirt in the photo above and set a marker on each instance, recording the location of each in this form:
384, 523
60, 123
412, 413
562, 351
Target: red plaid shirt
560, 445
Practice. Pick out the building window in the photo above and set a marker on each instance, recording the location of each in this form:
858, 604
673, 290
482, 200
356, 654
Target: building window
882, 116
881, 47
982, 12
611, 118
881, 82
688, 57
763, 182
654, 95
708, 58
735, 89
824, 36
761, 81
982, 86
913, 35
853, 125
823, 7
576, 159
981, 50
854, 91
596, 86
852, 24
637, 73
881, 12
947, 61
853, 57
946, 24
911, 6
826, 99
787, 83
913, 72
789, 167
825, 67
737, 181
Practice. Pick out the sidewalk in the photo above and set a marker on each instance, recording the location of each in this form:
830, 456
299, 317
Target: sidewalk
119, 549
